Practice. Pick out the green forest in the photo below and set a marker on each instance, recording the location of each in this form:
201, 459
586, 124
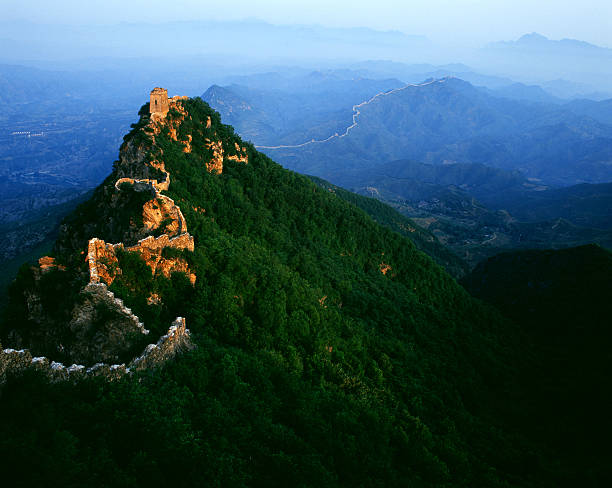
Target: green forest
311, 366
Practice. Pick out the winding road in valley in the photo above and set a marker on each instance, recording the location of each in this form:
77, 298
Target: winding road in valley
356, 113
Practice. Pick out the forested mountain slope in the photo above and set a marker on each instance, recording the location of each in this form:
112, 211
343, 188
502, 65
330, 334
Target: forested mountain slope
327, 349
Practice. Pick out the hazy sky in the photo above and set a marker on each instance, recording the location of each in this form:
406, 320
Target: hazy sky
471, 21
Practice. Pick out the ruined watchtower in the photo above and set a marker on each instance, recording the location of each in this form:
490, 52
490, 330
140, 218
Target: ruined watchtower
159, 101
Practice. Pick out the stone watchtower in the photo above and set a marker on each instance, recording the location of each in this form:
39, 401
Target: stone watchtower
159, 101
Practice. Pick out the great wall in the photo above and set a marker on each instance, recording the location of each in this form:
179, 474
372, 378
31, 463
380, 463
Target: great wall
103, 263
356, 113
176, 339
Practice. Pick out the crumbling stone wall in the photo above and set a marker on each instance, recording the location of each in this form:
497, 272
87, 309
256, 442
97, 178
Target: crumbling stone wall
161, 210
177, 339
102, 261
102, 327
104, 338
151, 250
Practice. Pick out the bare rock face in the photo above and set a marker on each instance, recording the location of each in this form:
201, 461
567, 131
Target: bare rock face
187, 149
240, 156
47, 263
215, 165
236, 153
132, 155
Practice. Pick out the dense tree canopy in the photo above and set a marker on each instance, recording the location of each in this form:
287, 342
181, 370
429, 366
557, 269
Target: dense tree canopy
312, 366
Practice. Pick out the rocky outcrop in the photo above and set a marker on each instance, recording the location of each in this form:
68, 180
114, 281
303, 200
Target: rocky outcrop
215, 165
47, 263
159, 119
102, 261
177, 339
240, 156
187, 148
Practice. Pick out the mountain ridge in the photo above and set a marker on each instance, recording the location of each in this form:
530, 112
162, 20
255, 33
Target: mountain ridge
429, 124
330, 351
114, 338
297, 292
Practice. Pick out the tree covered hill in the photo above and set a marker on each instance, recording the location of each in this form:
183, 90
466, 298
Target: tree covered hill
388, 217
329, 350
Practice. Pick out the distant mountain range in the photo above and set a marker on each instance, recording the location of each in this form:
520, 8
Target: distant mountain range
193, 46
536, 57
314, 106
537, 41
448, 120
477, 167
271, 105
